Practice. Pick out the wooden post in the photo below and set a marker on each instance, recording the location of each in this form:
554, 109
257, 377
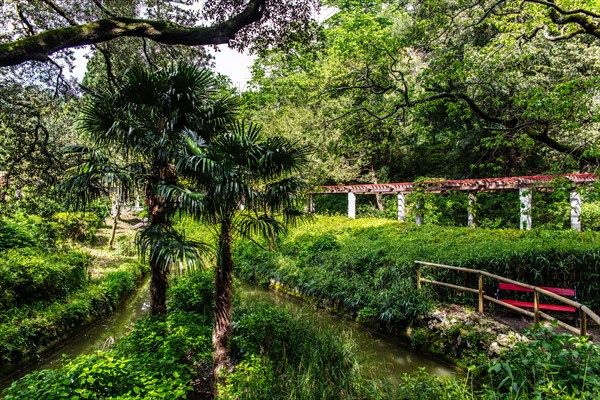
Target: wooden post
418, 276
401, 207
351, 205
575, 210
480, 293
526, 198
536, 307
311, 203
583, 322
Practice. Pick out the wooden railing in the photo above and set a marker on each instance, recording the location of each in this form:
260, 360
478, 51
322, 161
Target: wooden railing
584, 311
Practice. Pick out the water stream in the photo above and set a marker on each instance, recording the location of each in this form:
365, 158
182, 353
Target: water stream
379, 355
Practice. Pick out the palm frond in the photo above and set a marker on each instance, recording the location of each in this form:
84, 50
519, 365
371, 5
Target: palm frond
167, 248
182, 199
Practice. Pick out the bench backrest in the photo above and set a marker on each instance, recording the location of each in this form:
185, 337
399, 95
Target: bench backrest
517, 288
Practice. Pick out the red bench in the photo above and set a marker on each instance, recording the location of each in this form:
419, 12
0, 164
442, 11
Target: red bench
509, 287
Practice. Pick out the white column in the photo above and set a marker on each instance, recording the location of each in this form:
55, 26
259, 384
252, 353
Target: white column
351, 205
471, 210
401, 207
418, 214
575, 210
525, 198
311, 203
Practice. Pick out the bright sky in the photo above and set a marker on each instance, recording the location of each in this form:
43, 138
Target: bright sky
228, 62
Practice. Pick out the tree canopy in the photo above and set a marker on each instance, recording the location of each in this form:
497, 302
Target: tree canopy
37, 29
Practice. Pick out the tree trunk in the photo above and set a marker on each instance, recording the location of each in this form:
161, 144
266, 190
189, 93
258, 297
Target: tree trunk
224, 293
158, 288
158, 216
116, 216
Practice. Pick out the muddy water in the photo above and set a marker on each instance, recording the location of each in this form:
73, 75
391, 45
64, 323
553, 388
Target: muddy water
99, 336
380, 356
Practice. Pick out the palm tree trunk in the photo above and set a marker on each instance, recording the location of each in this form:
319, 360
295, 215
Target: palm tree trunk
224, 293
158, 288
160, 276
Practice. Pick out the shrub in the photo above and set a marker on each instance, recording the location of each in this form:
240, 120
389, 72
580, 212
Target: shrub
549, 365
366, 266
292, 358
590, 216
193, 292
30, 275
23, 330
26, 231
80, 226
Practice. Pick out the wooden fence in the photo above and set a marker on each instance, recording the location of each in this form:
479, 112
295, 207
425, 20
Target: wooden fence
584, 312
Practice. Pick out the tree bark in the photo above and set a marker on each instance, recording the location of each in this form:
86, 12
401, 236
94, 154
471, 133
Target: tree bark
224, 293
39, 47
158, 216
116, 216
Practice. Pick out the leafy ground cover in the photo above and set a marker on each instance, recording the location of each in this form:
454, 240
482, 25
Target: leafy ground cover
366, 266
50, 287
283, 356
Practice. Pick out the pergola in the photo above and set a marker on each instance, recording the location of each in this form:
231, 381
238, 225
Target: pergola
525, 185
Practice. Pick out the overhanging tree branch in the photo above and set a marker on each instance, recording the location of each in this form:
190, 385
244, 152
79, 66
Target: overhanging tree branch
39, 47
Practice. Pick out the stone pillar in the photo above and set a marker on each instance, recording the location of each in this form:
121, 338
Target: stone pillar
311, 203
525, 197
575, 210
351, 205
418, 214
401, 207
471, 210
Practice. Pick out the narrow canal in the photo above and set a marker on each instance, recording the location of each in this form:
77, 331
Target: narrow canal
381, 356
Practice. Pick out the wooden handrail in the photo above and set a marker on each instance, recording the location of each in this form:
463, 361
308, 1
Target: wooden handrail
584, 310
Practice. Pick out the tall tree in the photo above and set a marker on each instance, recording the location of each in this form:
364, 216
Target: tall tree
250, 189
150, 119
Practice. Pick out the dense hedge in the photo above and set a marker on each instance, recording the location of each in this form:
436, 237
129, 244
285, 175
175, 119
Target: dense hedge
30, 275
25, 329
367, 265
26, 231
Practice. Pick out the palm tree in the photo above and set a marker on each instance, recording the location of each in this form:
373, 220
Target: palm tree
249, 190
150, 119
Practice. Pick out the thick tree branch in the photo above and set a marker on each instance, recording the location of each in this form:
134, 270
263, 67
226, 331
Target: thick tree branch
40, 46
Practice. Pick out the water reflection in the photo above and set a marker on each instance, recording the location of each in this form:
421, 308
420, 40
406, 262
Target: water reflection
380, 356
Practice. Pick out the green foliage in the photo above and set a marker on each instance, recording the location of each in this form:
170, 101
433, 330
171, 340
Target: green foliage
423, 386
24, 329
289, 357
125, 245
590, 216
80, 226
29, 275
26, 231
550, 365
193, 292
253, 378
370, 269
151, 362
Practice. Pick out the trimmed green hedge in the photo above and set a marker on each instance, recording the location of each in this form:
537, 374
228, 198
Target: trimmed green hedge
367, 265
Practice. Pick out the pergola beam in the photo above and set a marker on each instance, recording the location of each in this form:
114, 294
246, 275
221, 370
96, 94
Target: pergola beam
524, 184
